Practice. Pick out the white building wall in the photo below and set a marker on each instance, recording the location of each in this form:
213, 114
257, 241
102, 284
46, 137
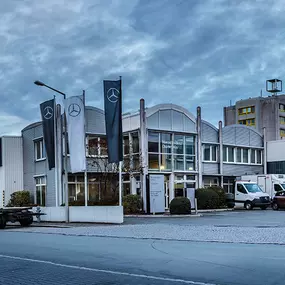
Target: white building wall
11, 173
276, 150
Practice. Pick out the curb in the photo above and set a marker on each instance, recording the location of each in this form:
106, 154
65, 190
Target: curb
215, 210
164, 216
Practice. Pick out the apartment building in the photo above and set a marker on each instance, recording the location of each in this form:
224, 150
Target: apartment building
259, 112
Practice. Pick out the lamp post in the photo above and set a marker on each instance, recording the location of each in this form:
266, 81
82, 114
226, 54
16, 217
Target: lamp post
39, 83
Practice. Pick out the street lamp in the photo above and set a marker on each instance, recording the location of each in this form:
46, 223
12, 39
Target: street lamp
39, 83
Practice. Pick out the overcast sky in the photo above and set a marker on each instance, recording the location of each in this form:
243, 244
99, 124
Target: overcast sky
190, 53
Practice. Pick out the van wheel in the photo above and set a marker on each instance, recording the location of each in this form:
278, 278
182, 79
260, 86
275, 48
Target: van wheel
248, 205
275, 206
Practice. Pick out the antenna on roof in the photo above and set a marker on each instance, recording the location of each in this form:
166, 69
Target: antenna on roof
261, 93
230, 102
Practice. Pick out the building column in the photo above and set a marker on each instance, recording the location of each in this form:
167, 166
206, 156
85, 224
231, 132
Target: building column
221, 152
143, 152
171, 187
199, 148
264, 151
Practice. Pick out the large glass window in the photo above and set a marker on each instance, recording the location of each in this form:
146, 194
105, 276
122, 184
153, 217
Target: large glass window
210, 153
245, 155
178, 144
207, 152
135, 143
97, 146
168, 151
231, 154
76, 189
189, 145
242, 155
153, 142
41, 191
166, 143
39, 150
178, 162
252, 156
238, 154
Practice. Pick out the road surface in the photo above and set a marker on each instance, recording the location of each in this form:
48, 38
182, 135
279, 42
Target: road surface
32, 258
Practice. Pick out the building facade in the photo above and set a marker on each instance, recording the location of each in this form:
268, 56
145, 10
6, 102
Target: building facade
11, 167
258, 113
165, 139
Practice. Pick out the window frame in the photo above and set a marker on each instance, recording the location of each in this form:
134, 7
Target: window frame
242, 149
42, 150
41, 183
213, 150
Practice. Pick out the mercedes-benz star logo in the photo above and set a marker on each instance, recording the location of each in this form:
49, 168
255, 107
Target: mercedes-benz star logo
48, 112
113, 95
74, 110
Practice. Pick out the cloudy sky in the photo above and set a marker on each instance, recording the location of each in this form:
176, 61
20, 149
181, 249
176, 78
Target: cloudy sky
186, 52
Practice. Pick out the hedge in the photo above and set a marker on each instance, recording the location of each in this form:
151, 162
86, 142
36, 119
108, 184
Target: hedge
132, 204
20, 199
180, 206
207, 198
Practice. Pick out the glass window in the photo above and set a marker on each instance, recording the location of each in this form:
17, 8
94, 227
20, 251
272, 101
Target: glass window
258, 156
252, 156
153, 161
189, 145
135, 144
252, 188
225, 155
39, 150
230, 154
136, 162
214, 153
241, 189
103, 146
178, 144
190, 163
153, 140
165, 162
238, 154
277, 187
126, 145
178, 162
93, 146
40, 191
190, 177
165, 143
207, 150
245, 155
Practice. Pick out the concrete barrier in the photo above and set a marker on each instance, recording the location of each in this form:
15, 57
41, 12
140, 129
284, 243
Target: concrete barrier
81, 214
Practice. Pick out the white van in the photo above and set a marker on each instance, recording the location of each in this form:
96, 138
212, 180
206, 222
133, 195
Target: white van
249, 195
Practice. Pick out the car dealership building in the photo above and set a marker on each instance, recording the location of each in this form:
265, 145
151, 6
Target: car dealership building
165, 139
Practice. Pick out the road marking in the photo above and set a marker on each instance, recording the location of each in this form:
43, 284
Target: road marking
105, 271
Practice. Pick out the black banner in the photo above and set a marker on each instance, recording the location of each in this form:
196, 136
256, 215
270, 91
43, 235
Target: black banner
48, 121
113, 119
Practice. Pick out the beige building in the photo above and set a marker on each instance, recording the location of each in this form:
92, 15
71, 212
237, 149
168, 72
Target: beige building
259, 112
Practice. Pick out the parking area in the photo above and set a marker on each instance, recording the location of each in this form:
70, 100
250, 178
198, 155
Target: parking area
236, 218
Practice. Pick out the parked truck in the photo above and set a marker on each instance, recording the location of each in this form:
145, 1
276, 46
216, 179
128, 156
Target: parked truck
248, 195
269, 183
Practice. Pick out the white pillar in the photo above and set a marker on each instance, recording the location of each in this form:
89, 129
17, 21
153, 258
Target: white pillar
221, 152
171, 187
264, 151
143, 152
199, 148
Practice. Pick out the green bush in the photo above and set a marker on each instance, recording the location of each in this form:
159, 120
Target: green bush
132, 204
222, 195
180, 206
207, 198
20, 199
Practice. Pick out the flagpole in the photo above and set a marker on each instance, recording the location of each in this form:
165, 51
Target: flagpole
55, 152
120, 162
85, 171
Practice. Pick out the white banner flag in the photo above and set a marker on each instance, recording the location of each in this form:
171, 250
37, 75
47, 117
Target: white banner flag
74, 109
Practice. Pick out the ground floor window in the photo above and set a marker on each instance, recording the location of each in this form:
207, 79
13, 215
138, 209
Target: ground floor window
183, 183
41, 190
76, 188
211, 181
228, 185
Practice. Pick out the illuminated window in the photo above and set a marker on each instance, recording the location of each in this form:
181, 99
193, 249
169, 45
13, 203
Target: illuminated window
246, 110
248, 122
282, 120
282, 133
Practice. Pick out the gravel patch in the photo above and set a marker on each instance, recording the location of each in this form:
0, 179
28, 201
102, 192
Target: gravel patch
252, 235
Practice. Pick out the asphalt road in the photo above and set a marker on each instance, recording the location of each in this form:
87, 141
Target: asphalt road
29, 258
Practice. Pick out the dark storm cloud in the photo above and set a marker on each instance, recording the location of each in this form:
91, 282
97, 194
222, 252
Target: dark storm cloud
197, 52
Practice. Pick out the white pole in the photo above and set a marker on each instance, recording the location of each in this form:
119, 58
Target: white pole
55, 150
120, 183
85, 171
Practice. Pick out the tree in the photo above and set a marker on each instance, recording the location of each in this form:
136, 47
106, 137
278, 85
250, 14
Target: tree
107, 174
